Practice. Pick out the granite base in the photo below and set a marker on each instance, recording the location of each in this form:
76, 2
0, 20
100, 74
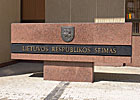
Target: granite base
69, 71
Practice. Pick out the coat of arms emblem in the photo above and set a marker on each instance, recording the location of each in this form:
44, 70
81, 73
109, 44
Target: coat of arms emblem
67, 33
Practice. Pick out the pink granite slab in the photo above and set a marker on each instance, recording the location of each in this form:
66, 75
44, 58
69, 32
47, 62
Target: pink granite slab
135, 51
69, 71
85, 33
77, 58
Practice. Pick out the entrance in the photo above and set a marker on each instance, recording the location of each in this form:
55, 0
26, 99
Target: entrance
32, 11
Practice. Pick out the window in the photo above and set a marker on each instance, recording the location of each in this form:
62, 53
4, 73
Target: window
133, 14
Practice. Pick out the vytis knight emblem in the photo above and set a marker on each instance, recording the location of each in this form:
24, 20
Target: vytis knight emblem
67, 33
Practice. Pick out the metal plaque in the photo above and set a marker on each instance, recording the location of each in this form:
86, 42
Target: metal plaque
65, 49
67, 33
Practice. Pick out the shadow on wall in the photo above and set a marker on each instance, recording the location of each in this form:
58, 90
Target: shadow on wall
23, 67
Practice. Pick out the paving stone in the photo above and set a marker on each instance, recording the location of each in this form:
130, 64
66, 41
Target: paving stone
24, 87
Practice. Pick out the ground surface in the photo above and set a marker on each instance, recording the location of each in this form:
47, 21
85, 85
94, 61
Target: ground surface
17, 82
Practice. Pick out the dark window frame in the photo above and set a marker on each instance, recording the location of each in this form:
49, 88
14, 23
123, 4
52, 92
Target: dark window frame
135, 21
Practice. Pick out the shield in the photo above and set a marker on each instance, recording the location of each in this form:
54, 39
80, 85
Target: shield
67, 33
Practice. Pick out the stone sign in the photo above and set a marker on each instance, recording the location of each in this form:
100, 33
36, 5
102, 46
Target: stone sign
101, 50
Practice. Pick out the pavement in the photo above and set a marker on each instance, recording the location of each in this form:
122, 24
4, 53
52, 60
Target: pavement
24, 81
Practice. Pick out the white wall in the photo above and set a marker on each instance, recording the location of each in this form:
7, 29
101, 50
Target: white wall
9, 13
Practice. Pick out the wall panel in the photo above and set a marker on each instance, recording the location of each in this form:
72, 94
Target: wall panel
9, 13
57, 11
111, 8
84, 10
